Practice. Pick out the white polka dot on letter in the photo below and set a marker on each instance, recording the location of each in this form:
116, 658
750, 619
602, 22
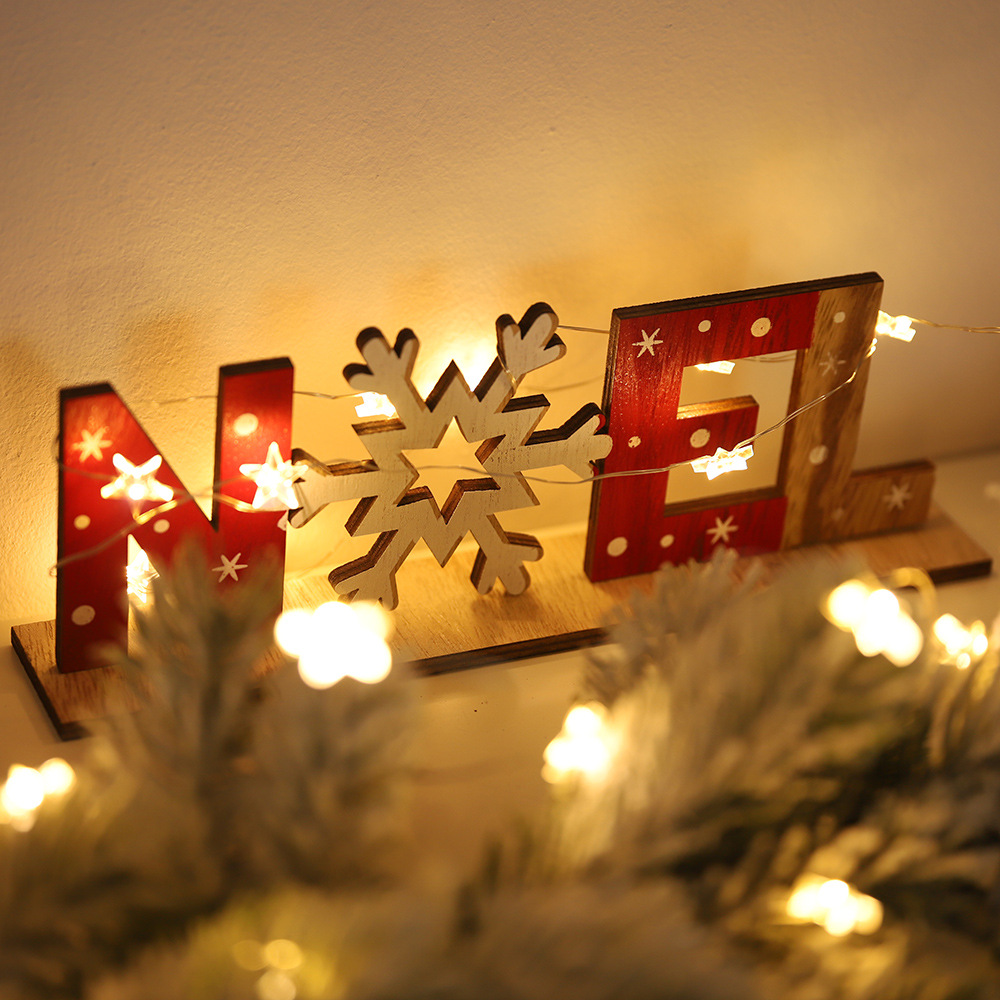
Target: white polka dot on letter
245, 424
839, 317
666, 541
161, 525
634, 442
700, 437
81, 523
617, 546
705, 325
760, 326
83, 615
819, 454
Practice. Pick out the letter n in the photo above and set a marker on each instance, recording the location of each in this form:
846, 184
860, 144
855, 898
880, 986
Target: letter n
254, 409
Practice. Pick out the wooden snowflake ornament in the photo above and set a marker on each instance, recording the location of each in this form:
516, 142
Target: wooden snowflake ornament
505, 424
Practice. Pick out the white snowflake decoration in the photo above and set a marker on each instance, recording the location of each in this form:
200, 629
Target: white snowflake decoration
491, 414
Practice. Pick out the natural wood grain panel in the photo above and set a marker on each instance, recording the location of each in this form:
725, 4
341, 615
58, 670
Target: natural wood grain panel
884, 499
818, 448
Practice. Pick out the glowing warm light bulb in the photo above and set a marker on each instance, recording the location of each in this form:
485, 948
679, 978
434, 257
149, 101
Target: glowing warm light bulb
841, 918
961, 645
582, 747
722, 367
835, 906
885, 628
137, 482
275, 479
878, 622
833, 892
23, 791
897, 327
804, 901
872, 630
846, 604
584, 721
335, 641
292, 630
373, 617
868, 914
374, 404
58, 777
249, 955
276, 985
903, 641
283, 954
723, 461
139, 575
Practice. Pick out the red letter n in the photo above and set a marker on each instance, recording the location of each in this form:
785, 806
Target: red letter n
254, 409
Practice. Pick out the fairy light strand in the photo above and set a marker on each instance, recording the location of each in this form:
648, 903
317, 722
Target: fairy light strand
241, 506
730, 460
951, 326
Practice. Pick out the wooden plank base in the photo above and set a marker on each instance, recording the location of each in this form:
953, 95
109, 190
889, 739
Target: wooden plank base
442, 624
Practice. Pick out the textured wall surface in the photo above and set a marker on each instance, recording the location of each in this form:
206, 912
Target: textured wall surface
192, 184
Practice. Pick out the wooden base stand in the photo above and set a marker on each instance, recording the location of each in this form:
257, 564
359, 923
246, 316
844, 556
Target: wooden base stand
443, 625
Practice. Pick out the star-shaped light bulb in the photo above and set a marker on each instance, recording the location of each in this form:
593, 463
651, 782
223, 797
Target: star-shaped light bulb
897, 327
585, 746
722, 367
878, 621
374, 404
139, 576
723, 461
137, 482
337, 641
275, 479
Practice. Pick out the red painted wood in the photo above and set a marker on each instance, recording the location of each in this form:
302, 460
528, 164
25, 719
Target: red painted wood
91, 606
629, 518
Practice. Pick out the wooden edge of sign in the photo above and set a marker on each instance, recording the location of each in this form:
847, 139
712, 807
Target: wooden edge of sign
35, 646
443, 625
509, 652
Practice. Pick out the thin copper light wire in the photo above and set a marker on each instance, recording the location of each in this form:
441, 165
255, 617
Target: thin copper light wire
244, 507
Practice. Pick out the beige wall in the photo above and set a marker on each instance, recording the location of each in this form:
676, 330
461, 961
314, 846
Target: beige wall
187, 184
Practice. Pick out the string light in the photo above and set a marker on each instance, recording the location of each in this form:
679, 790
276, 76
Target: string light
374, 404
961, 646
897, 327
274, 480
835, 906
337, 640
136, 482
23, 791
58, 777
278, 961
239, 505
139, 574
583, 747
26, 788
722, 367
138, 487
878, 622
723, 461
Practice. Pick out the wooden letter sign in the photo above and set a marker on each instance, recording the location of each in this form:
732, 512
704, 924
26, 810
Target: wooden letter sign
816, 498
254, 409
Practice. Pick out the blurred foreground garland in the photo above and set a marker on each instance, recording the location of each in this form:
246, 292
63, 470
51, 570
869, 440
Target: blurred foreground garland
243, 838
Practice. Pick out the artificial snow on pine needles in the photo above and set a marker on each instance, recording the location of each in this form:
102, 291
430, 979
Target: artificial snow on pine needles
750, 805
